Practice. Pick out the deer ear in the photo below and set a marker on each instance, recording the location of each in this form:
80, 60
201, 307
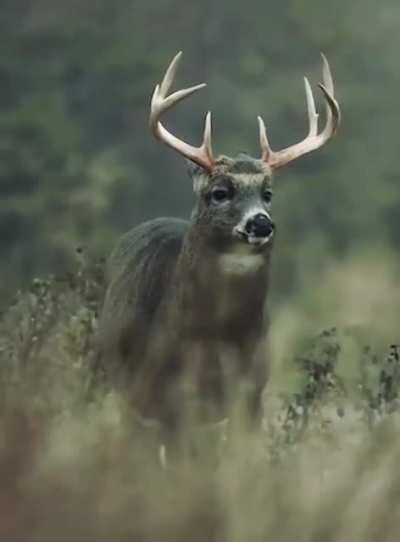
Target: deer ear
194, 169
198, 175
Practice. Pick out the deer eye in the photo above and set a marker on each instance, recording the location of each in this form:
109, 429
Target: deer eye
267, 196
219, 194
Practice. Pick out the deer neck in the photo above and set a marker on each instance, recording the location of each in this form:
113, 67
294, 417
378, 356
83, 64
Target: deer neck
202, 259
220, 289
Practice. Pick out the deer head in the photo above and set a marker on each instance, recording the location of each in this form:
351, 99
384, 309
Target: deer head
234, 194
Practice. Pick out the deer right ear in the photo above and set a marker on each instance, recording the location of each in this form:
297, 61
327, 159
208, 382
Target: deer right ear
198, 175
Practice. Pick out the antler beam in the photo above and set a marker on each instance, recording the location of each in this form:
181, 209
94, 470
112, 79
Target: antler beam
313, 141
161, 102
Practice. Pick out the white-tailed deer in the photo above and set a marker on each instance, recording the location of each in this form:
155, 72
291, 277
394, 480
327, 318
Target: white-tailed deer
184, 312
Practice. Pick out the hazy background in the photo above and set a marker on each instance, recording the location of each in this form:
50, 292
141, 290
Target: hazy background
79, 167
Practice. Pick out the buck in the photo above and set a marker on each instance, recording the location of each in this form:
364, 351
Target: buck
184, 313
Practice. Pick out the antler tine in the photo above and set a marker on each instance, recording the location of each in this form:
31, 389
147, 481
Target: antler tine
207, 136
313, 140
264, 143
327, 75
170, 74
312, 112
160, 103
332, 107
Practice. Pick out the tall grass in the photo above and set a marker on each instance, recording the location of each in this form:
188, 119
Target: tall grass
76, 466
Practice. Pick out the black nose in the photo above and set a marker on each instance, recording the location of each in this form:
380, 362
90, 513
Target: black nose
260, 225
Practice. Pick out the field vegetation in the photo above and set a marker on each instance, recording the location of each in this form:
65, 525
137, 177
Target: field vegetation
77, 463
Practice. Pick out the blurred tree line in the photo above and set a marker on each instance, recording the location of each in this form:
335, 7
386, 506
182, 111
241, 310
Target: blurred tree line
78, 165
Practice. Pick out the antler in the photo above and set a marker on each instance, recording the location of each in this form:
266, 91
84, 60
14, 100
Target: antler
160, 103
314, 140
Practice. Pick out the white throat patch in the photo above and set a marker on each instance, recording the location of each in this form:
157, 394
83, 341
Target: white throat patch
240, 262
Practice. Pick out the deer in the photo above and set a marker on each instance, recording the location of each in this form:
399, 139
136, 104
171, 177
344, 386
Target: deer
185, 308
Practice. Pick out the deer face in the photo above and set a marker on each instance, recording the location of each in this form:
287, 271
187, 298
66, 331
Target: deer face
233, 203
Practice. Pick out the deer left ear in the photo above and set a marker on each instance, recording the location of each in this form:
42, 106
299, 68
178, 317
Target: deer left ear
198, 175
194, 169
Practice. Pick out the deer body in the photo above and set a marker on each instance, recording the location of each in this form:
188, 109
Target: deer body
184, 313
184, 295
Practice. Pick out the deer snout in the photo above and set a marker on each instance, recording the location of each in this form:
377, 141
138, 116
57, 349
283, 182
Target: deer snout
259, 225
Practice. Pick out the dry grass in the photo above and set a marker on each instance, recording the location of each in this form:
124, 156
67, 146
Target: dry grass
324, 467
